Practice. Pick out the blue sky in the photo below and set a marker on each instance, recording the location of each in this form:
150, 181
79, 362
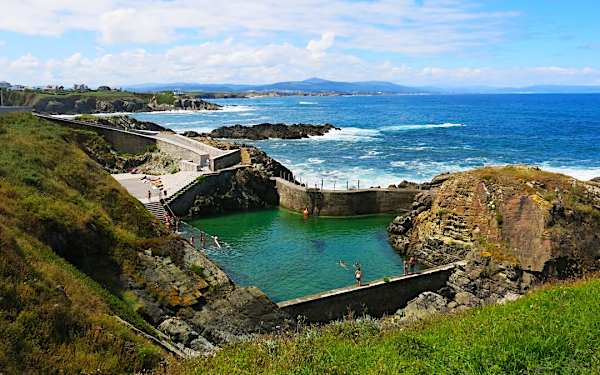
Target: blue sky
426, 42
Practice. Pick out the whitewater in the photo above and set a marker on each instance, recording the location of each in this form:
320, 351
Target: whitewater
386, 139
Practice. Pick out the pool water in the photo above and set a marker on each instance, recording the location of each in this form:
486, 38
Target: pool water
287, 256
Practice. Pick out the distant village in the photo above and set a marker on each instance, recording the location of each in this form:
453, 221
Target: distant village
78, 87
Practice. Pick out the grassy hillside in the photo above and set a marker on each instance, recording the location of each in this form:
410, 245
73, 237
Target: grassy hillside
67, 233
30, 98
552, 331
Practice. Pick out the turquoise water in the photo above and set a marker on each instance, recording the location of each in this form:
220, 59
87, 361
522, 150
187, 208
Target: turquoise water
288, 256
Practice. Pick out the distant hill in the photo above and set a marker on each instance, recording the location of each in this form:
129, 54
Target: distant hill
312, 85
322, 86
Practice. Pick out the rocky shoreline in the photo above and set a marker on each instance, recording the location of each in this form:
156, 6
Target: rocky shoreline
514, 227
267, 131
82, 104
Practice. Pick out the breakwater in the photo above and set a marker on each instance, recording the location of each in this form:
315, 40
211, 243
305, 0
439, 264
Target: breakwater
322, 202
178, 146
377, 298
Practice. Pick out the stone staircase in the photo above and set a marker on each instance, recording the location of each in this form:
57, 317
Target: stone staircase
158, 210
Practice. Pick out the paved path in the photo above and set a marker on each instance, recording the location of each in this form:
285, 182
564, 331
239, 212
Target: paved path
138, 186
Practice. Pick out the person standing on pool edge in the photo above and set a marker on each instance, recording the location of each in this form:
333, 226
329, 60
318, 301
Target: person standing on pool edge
357, 273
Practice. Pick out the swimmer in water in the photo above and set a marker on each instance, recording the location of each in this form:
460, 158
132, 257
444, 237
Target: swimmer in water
342, 264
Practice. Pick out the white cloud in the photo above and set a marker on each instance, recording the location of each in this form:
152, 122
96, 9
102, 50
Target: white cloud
232, 61
317, 47
404, 26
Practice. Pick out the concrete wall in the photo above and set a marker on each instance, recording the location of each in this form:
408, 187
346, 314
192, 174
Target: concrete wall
376, 299
179, 151
120, 140
181, 203
226, 160
344, 202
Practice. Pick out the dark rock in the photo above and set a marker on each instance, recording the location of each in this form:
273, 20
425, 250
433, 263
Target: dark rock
268, 131
243, 312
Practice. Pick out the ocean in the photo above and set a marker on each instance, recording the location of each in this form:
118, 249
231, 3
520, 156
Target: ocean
387, 139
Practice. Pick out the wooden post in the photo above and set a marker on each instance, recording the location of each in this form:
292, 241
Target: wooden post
347, 186
334, 185
358, 186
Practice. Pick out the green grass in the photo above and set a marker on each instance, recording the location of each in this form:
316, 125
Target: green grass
552, 331
65, 224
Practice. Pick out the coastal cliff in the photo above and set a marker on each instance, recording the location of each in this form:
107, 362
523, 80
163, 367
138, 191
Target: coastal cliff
78, 250
514, 227
269, 131
73, 103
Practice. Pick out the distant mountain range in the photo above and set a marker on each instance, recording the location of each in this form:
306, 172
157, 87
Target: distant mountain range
322, 86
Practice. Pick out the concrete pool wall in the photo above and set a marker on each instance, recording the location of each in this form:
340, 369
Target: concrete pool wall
344, 202
377, 298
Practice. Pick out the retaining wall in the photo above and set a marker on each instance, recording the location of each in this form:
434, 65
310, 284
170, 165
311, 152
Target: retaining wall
344, 202
181, 203
226, 160
375, 299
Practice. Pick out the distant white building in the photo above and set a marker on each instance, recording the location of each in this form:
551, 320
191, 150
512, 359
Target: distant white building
17, 88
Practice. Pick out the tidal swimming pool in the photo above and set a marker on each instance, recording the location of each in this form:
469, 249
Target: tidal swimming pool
287, 256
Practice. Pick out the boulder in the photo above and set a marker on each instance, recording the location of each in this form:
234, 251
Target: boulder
423, 306
178, 330
467, 299
202, 345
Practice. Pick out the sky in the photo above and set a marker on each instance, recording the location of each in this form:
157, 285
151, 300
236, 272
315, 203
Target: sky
448, 43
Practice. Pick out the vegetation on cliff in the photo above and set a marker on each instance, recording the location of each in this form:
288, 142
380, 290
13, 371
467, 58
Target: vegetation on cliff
553, 330
67, 232
65, 102
78, 250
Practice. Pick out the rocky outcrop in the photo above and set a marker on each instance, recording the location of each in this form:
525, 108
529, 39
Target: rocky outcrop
187, 297
76, 104
269, 131
123, 122
129, 102
183, 103
513, 227
246, 189
541, 222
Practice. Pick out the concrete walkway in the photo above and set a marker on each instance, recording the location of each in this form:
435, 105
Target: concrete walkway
138, 185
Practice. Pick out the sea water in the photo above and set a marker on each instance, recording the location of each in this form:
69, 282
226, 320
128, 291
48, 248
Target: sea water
386, 139
288, 256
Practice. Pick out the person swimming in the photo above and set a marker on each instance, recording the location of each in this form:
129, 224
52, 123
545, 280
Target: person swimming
342, 264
